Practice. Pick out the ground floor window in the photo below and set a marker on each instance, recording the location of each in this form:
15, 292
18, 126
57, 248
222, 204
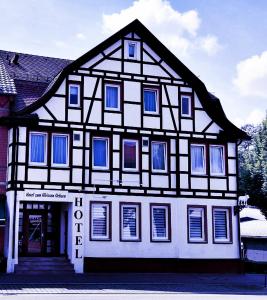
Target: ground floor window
100, 221
160, 222
222, 224
130, 221
197, 224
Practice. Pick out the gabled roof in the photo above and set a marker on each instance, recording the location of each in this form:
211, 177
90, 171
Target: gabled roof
28, 75
210, 103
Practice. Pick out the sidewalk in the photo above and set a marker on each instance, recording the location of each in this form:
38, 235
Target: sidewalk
134, 283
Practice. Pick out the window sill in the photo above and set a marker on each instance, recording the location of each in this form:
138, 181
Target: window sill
197, 242
222, 242
100, 240
130, 241
151, 114
160, 241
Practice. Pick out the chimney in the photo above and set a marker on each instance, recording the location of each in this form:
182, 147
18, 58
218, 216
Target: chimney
15, 59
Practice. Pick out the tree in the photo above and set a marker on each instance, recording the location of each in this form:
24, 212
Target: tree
253, 165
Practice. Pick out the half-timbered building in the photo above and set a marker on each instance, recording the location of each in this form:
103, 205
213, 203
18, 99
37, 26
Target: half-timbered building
124, 161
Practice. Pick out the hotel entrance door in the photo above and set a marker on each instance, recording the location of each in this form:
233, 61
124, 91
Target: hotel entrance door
39, 229
35, 233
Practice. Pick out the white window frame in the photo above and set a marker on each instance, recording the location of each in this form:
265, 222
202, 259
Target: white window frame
136, 156
119, 96
157, 100
165, 158
78, 86
32, 163
67, 153
97, 237
189, 106
204, 158
204, 238
137, 207
228, 219
135, 50
107, 153
223, 160
167, 214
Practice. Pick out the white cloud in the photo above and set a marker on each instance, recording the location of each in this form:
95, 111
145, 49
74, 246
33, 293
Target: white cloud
80, 36
209, 44
251, 77
177, 30
255, 117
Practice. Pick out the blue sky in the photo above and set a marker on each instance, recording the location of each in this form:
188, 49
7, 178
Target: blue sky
222, 42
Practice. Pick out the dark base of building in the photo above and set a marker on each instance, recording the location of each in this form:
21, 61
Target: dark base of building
163, 265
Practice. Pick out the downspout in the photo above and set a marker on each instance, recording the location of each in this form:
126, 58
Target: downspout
15, 170
237, 189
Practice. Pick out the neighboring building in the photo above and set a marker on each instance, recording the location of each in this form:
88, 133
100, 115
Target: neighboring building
124, 161
253, 226
7, 92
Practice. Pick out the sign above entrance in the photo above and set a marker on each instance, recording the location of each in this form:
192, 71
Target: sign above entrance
42, 195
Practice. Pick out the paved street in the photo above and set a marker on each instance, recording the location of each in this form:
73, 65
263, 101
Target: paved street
133, 286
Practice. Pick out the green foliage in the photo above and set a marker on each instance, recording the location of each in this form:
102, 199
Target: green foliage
253, 165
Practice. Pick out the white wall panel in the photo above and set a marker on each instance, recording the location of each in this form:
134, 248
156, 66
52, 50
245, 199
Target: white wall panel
199, 183
109, 65
37, 175
218, 184
112, 119
186, 125
132, 91
184, 181
95, 116
132, 115
151, 122
60, 175
54, 104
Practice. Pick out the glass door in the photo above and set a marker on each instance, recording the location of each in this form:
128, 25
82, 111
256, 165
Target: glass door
35, 233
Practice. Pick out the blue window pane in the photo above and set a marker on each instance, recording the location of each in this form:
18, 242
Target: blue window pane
150, 101
112, 96
131, 50
74, 92
158, 156
38, 142
185, 106
197, 158
60, 149
129, 153
100, 152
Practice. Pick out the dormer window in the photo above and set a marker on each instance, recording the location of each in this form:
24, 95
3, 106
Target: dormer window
74, 95
132, 50
186, 106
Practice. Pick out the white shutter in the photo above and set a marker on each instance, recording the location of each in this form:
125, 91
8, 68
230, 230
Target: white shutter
99, 223
129, 226
196, 224
160, 223
220, 224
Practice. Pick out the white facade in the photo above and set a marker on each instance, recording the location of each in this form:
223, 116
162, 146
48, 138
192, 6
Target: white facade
176, 186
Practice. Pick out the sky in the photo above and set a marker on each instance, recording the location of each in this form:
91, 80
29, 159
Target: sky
224, 43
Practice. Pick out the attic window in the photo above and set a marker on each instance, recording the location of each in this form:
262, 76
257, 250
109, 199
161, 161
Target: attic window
74, 95
186, 105
132, 50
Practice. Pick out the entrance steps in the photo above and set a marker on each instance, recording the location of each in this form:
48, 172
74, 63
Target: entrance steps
44, 265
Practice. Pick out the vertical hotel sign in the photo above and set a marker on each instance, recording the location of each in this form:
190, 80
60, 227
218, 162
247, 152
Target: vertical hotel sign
78, 215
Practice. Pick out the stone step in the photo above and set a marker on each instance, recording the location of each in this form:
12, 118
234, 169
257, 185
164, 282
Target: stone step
40, 259
45, 272
43, 265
